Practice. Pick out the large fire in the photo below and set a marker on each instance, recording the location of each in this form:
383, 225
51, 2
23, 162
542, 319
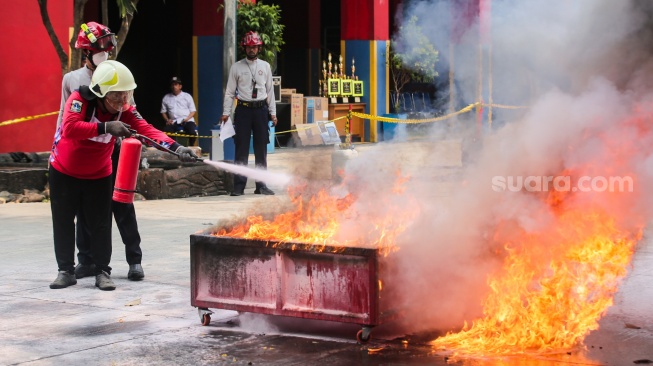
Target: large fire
556, 283
552, 289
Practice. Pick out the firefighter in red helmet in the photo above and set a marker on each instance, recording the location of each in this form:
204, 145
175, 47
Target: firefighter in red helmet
251, 39
251, 79
96, 41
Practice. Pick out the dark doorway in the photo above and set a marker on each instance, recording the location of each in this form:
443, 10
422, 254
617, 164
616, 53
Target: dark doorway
159, 46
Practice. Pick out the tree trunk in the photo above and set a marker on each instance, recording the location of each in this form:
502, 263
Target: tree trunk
105, 12
78, 19
124, 29
74, 61
63, 59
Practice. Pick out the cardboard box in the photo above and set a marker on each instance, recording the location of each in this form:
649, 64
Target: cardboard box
316, 109
296, 102
328, 132
307, 135
288, 91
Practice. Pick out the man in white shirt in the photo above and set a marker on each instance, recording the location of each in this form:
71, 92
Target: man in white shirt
251, 79
178, 110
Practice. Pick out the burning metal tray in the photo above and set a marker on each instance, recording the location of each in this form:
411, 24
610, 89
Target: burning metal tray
341, 284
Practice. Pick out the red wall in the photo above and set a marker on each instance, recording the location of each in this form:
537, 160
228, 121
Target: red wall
206, 20
364, 20
31, 74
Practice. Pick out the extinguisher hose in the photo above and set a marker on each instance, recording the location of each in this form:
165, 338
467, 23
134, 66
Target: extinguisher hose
139, 136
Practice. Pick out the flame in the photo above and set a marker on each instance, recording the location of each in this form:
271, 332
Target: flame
318, 219
313, 222
553, 288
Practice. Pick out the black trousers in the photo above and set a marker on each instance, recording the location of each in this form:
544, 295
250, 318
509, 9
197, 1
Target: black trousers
188, 128
125, 216
70, 196
251, 122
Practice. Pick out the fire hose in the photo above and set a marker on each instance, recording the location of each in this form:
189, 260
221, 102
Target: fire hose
139, 136
127, 171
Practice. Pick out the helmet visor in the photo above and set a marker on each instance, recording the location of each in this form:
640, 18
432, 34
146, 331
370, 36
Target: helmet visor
105, 42
119, 100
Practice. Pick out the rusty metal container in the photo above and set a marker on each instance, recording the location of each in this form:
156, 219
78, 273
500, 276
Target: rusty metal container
288, 279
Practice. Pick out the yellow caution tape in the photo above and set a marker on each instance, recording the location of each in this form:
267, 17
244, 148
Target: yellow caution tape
505, 106
412, 121
182, 135
29, 118
210, 137
469, 108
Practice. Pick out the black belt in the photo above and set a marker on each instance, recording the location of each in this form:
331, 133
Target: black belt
253, 104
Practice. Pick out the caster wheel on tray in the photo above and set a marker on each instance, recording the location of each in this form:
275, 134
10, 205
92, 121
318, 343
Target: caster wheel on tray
205, 315
363, 336
206, 319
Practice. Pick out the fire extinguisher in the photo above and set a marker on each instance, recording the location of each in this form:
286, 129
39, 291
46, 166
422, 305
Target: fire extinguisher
127, 172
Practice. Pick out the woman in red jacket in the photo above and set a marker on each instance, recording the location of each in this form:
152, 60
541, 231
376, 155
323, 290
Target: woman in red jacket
80, 166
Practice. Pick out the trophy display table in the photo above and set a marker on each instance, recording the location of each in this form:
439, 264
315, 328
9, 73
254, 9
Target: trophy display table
357, 125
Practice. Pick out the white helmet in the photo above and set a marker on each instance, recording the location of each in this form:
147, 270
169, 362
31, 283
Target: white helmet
109, 76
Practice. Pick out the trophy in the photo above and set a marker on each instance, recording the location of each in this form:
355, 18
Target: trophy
357, 86
342, 71
324, 79
330, 65
347, 84
358, 90
333, 88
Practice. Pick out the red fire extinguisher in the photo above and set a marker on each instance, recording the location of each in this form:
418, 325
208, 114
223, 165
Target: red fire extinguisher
127, 172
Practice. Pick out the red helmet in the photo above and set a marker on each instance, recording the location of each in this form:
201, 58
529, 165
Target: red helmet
95, 37
251, 39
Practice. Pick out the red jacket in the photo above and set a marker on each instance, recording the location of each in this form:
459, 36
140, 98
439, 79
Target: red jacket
74, 154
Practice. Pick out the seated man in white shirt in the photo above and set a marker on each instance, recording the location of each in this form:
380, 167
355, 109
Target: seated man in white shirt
178, 110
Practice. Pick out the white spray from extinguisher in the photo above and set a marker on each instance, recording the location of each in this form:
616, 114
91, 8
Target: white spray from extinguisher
267, 177
272, 178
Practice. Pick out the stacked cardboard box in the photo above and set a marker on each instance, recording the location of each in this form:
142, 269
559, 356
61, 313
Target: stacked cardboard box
307, 135
316, 109
296, 102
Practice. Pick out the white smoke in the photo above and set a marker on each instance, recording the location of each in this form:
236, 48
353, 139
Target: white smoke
583, 67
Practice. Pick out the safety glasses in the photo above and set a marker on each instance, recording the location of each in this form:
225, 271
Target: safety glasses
105, 42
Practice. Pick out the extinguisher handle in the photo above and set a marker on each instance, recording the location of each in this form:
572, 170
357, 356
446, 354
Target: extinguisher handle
137, 135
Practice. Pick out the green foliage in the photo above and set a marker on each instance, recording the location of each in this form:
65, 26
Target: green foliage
263, 19
412, 56
126, 7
